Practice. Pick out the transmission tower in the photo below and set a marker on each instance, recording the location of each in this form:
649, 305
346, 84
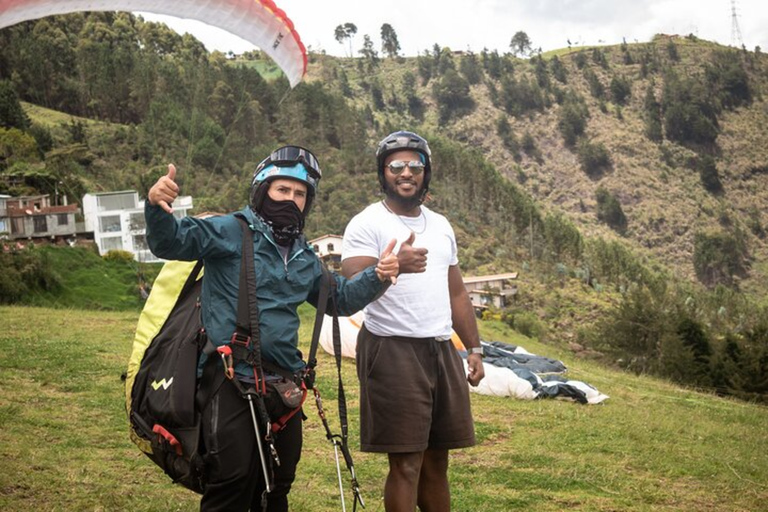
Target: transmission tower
735, 30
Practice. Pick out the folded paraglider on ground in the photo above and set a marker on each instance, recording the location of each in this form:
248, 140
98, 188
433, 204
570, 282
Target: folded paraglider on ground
510, 370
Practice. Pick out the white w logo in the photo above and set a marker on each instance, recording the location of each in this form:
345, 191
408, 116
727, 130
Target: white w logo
165, 384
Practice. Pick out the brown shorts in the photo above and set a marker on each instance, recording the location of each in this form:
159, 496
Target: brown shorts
413, 395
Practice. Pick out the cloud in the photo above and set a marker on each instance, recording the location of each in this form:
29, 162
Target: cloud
588, 13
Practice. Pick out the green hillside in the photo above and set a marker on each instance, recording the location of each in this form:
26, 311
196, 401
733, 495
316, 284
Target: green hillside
651, 446
625, 183
74, 277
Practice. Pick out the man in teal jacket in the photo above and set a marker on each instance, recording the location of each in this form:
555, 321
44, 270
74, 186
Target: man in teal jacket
288, 273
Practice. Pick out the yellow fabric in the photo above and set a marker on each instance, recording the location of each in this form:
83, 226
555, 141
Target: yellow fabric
162, 298
457, 341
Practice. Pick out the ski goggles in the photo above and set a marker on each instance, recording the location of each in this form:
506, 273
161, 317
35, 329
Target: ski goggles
296, 171
398, 166
289, 156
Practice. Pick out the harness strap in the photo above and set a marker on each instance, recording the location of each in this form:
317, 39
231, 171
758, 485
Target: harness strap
326, 282
247, 334
328, 292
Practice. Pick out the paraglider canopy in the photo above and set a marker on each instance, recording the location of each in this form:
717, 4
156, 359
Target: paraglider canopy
260, 22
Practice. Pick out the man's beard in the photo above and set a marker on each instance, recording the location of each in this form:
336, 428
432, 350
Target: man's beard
407, 203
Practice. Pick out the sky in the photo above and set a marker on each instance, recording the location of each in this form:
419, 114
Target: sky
490, 24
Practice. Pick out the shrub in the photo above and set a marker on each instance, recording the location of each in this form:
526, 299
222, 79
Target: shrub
598, 57
709, 175
652, 116
518, 97
508, 138
580, 59
563, 239
25, 271
621, 89
719, 257
119, 256
573, 118
612, 261
596, 88
609, 210
672, 51
690, 113
526, 323
729, 80
634, 331
594, 158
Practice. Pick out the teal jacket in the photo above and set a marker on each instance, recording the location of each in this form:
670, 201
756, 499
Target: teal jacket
283, 283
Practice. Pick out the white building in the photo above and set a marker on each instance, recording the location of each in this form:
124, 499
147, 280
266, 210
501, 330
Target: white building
117, 221
494, 290
328, 248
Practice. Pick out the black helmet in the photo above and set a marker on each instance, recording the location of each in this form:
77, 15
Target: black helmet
293, 162
399, 141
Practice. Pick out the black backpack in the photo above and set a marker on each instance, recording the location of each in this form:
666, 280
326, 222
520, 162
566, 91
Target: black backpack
163, 401
162, 373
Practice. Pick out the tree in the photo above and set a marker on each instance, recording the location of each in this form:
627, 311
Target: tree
425, 65
689, 110
652, 116
471, 69
415, 105
520, 44
345, 32
16, 146
11, 113
596, 88
452, 95
389, 43
558, 70
369, 53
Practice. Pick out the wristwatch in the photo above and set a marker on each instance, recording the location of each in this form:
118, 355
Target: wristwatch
477, 350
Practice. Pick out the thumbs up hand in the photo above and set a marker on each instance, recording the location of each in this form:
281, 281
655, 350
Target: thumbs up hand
413, 260
165, 190
388, 266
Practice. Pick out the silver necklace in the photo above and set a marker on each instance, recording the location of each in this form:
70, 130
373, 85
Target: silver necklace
400, 218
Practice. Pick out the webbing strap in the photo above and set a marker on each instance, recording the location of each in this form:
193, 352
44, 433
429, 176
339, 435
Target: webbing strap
247, 323
328, 292
322, 306
337, 355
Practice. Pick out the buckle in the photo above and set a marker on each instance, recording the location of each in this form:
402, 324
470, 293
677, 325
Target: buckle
239, 339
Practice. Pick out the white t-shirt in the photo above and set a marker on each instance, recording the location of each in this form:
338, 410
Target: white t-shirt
419, 305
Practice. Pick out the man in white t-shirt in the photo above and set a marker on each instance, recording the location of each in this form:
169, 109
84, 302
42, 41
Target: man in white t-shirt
414, 399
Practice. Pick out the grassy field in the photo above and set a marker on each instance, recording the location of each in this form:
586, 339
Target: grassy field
64, 438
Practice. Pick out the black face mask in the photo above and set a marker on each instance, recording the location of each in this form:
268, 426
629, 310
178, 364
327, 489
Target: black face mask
285, 218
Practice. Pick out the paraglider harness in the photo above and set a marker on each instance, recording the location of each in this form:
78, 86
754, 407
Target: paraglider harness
172, 423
